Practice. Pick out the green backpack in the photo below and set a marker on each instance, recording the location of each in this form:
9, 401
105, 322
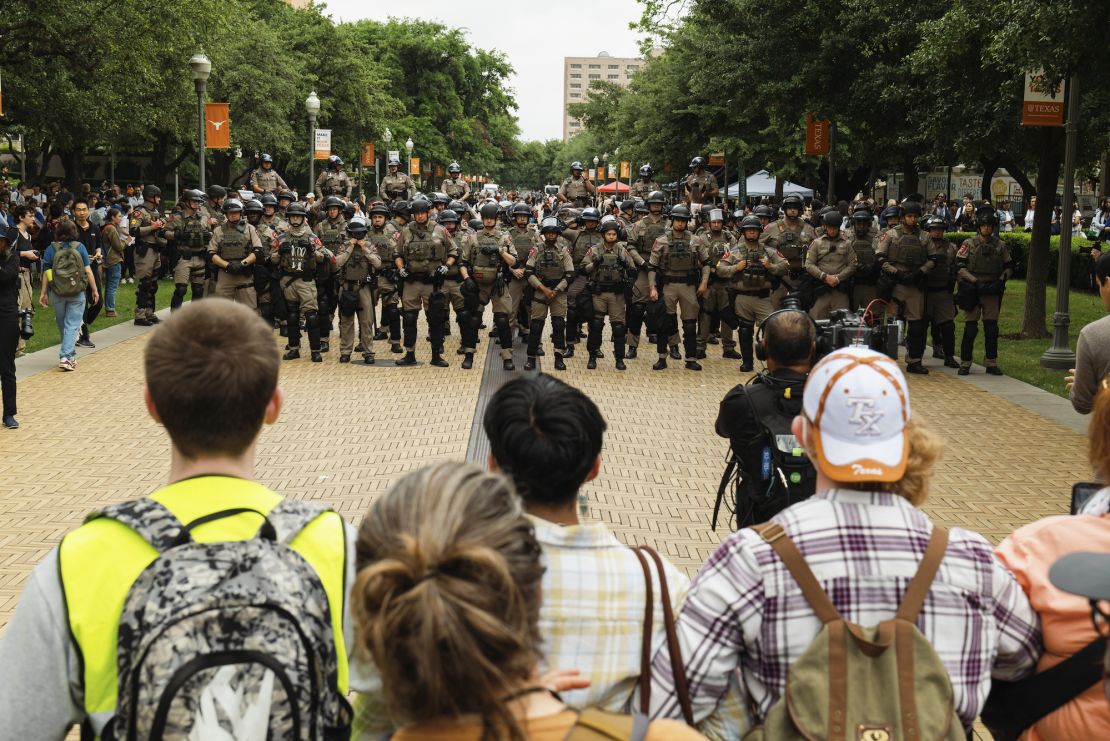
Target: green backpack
863, 684
68, 271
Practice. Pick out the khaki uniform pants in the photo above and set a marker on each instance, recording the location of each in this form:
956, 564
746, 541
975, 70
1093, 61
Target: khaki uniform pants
832, 300
238, 288
365, 316
987, 310
863, 294
940, 306
681, 299
516, 294
752, 308
189, 270
912, 300
557, 307
502, 304
387, 292
416, 295
715, 300
453, 290
297, 291
610, 303
640, 292
146, 267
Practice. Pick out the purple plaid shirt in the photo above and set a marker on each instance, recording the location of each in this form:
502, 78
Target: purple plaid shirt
744, 609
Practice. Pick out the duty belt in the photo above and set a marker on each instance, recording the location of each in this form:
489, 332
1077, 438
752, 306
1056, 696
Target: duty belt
761, 293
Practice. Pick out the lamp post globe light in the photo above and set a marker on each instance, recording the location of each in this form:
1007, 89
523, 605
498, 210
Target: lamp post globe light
312, 107
202, 68
387, 137
408, 147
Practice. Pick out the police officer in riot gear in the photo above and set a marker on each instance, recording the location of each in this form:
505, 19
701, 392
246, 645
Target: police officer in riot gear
645, 184
380, 234
523, 238
790, 236
940, 305
576, 188
831, 263
233, 250
331, 231
765, 214
549, 270
684, 268
903, 256
718, 241
396, 185
642, 239
609, 265
422, 255
486, 258
270, 215
581, 241
265, 179
752, 266
864, 241
358, 260
984, 266
333, 181
298, 253
701, 187
188, 230
455, 185
145, 227
263, 286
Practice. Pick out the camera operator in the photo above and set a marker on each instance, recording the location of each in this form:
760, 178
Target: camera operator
9, 321
772, 471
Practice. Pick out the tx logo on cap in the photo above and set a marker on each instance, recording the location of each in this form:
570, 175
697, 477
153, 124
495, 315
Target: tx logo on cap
864, 416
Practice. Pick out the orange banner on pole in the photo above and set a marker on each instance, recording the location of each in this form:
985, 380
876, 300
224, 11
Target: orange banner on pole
367, 154
626, 169
717, 159
217, 126
414, 166
817, 136
439, 171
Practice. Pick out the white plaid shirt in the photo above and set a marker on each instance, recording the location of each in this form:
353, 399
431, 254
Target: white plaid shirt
745, 609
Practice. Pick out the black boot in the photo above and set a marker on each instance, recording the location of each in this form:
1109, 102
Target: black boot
293, 354
693, 365
569, 352
592, 362
344, 358
917, 368
676, 355
660, 364
380, 335
559, 364
731, 354
468, 361
409, 359
530, 364
437, 357
631, 354
508, 364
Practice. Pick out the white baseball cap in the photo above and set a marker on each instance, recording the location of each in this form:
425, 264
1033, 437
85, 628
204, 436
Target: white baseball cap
857, 401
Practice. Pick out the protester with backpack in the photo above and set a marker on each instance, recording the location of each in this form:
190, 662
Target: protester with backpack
447, 607
853, 595
211, 609
67, 273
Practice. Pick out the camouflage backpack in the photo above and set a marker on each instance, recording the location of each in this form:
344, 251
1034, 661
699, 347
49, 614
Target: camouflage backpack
884, 683
226, 639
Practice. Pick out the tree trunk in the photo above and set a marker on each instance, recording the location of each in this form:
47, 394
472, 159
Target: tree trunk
73, 160
1036, 271
1018, 174
1104, 177
909, 169
44, 161
990, 167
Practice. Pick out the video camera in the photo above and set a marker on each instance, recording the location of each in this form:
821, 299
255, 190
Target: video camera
845, 328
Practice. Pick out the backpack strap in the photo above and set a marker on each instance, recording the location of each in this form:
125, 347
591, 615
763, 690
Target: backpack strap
291, 516
775, 535
150, 519
678, 669
645, 646
923, 579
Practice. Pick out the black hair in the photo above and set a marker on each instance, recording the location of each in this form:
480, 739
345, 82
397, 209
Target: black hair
21, 210
788, 337
545, 435
1102, 267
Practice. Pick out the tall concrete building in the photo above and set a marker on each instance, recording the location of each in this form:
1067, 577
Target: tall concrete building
579, 72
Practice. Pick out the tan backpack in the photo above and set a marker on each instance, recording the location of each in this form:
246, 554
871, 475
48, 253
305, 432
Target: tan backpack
884, 683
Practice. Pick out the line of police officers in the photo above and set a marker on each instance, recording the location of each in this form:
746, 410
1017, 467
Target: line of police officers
644, 266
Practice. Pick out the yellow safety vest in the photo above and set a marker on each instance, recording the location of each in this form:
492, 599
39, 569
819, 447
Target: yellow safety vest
99, 561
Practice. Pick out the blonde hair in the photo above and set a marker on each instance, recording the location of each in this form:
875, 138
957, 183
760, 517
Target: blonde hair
925, 449
447, 597
1098, 432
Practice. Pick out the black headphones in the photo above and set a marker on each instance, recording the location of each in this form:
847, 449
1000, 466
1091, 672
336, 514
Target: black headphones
760, 350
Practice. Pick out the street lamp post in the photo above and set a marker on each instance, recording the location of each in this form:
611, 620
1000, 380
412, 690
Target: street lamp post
202, 68
408, 148
312, 107
387, 137
1060, 356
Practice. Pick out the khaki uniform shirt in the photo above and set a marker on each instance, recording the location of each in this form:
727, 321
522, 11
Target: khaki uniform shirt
455, 188
827, 256
266, 181
395, 187
640, 188
573, 188
563, 248
662, 247
253, 238
747, 252
333, 183
700, 187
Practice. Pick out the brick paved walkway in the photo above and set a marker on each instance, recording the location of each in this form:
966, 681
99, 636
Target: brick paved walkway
348, 430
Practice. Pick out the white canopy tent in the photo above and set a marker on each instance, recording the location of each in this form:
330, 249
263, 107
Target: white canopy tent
762, 183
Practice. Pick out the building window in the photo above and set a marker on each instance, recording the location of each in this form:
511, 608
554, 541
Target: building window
576, 84
576, 76
613, 66
595, 66
576, 95
576, 66
632, 68
595, 76
613, 77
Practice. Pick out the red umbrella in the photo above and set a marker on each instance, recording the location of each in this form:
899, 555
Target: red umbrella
614, 187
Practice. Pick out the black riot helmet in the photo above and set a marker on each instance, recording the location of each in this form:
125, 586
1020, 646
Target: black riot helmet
357, 227
628, 206
296, 208
763, 210
192, 195
438, 198
641, 206
551, 224
253, 206
832, 218
286, 195
268, 199
448, 216
697, 162
333, 201
378, 207
151, 192
348, 211
935, 222
590, 214
656, 196
401, 208
751, 222
609, 224
646, 172
420, 206
457, 206
216, 192
489, 210
911, 207
793, 201
680, 212
986, 214
521, 209
862, 215
475, 225
335, 161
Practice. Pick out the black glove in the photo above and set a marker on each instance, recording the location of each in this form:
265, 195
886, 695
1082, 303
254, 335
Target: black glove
285, 248
469, 287
402, 273
442, 271
597, 259
235, 267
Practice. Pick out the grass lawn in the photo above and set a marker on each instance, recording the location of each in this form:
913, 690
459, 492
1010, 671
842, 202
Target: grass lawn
46, 328
1021, 359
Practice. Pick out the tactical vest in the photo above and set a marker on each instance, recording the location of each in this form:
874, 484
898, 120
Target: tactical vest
610, 273
865, 253
523, 240
383, 240
791, 246
586, 241
575, 188
192, 235
486, 266
144, 217
454, 189
266, 180
394, 185
333, 184
549, 264
754, 276
985, 259
679, 260
300, 258
906, 251
234, 243
357, 267
425, 252
649, 231
940, 277
331, 232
